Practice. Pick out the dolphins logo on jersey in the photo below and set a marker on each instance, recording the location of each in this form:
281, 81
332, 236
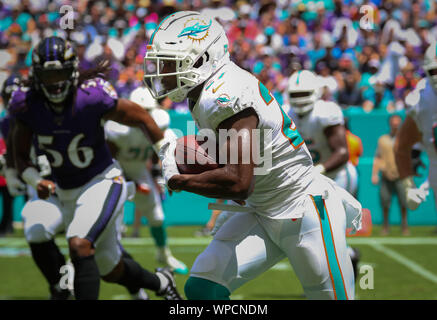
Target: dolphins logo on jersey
223, 100
194, 30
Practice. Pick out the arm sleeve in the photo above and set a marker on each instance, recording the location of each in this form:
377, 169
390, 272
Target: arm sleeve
103, 96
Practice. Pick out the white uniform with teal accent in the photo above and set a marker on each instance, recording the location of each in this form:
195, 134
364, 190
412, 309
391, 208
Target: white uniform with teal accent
133, 152
312, 126
288, 216
424, 113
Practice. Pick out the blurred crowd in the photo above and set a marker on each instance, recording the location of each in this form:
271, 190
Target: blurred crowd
367, 53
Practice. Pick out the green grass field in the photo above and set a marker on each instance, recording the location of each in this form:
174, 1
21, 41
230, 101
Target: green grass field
403, 267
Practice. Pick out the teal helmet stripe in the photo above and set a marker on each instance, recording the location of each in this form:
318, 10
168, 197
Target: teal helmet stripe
159, 25
298, 76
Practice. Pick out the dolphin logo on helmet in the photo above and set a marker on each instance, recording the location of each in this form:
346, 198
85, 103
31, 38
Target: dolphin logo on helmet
194, 30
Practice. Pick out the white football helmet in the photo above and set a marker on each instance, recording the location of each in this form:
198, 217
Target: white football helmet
303, 91
184, 51
144, 98
430, 64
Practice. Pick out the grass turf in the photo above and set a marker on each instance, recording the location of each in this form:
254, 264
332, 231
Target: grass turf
394, 278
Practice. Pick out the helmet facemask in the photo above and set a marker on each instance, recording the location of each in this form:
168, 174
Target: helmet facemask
188, 48
169, 74
55, 70
303, 91
302, 102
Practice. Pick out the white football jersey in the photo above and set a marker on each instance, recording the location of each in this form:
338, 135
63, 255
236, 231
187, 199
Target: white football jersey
278, 188
133, 148
312, 126
424, 113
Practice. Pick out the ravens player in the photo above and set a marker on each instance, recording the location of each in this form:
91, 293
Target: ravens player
64, 113
39, 229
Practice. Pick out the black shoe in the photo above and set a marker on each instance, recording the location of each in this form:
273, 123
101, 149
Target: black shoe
169, 292
56, 293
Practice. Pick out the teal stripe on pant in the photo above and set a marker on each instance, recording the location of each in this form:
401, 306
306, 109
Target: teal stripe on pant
333, 264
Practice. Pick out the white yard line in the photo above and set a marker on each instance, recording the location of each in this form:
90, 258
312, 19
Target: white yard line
408, 263
20, 242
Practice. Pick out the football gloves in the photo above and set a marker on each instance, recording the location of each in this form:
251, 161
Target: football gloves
414, 196
168, 160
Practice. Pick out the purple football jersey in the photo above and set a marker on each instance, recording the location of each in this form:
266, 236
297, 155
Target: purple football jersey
74, 141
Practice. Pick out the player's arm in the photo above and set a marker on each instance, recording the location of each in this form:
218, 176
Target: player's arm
336, 137
407, 135
22, 140
376, 166
131, 114
232, 181
15, 186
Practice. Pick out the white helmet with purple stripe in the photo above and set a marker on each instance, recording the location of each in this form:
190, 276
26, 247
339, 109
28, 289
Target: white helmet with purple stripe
184, 51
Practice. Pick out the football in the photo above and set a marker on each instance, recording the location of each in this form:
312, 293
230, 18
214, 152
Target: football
191, 158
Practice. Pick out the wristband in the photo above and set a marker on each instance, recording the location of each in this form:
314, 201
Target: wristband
157, 146
31, 176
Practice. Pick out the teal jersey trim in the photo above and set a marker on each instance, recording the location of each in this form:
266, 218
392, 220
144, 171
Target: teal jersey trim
265, 93
209, 86
292, 134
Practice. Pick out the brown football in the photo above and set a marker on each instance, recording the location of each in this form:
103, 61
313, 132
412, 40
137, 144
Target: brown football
191, 158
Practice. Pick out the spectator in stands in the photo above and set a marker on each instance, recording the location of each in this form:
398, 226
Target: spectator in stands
384, 162
350, 94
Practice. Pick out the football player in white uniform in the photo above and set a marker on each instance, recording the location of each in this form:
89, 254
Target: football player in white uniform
321, 125
420, 125
132, 151
286, 208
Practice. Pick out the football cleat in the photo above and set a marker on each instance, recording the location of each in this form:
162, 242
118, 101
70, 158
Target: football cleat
56, 293
165, 257
140, 295
169, 292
